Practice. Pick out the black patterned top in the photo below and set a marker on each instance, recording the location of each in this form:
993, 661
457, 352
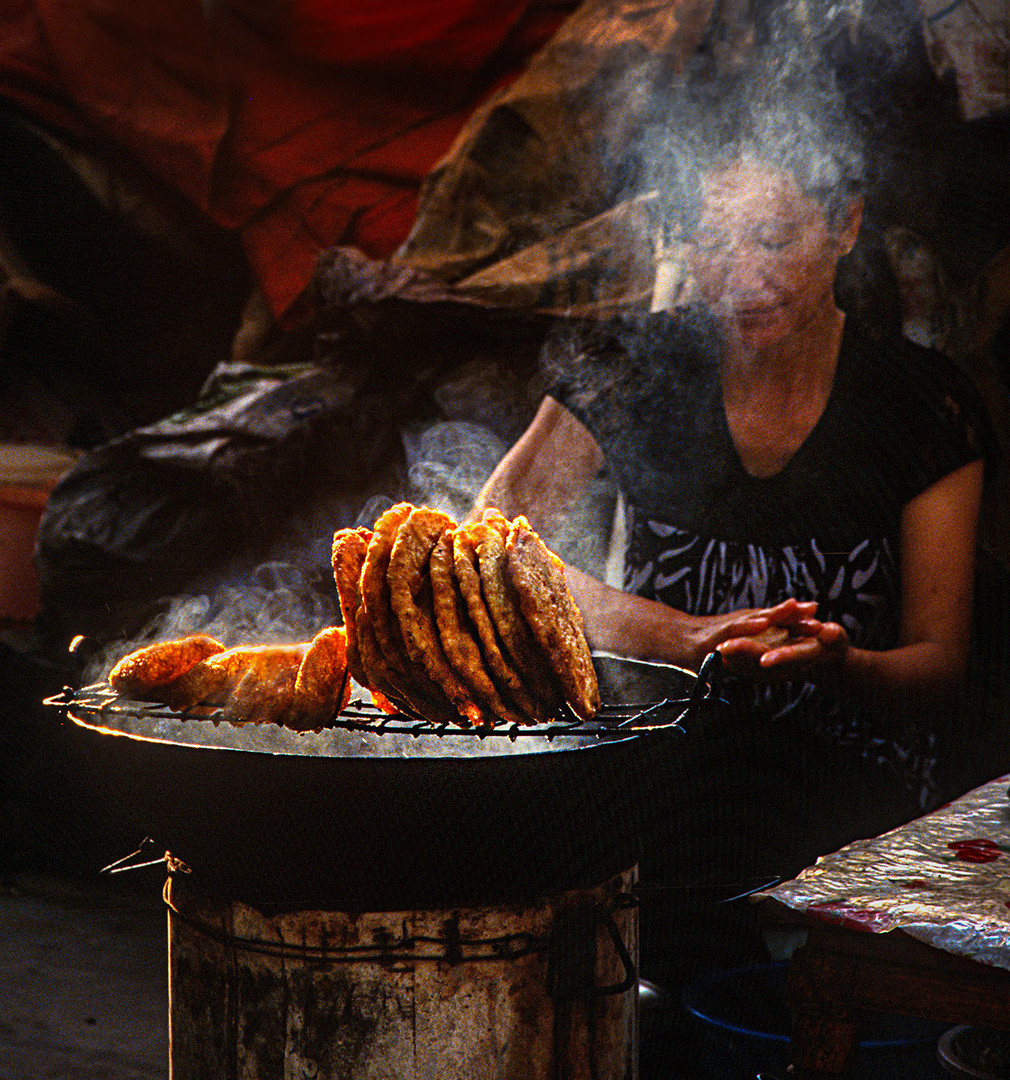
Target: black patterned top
706, 537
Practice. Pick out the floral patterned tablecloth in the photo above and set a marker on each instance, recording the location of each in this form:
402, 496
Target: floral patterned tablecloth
943, 878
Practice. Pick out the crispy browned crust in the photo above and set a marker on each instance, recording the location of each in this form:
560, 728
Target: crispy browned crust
349, 546
537, 577
519, 643
457, 635
466, 565
379, 676
266, 690
496, 520
209, 682
144, 671
375, 586
323, 684
420, 692
411, 600
213, 680
382, 702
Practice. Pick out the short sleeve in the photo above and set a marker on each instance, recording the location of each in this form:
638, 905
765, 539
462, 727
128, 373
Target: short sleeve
946, 419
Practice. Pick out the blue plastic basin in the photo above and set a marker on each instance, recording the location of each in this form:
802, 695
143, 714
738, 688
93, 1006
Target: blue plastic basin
744, 1022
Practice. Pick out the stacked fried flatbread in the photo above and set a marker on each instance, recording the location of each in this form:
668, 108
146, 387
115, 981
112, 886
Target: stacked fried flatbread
301, 686
467, 624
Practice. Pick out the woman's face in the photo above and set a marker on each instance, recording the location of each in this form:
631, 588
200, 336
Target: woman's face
763, 255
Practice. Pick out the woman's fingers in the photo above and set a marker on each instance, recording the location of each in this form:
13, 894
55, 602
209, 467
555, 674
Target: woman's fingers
750, 645
744, 638
801, 651
833, 634
784, 654
827, 646
747, 626
790, 612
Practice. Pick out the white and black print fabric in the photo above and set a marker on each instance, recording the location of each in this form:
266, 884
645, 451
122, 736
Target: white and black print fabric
859, 589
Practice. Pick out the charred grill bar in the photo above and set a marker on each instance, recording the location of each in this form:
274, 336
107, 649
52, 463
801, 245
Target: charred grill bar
99, 702
471, 889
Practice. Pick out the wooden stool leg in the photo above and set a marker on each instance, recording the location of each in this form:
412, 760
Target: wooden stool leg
823, 1043
825, 1034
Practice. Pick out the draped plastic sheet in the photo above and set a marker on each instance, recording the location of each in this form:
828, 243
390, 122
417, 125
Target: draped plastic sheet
943, 878
299, 124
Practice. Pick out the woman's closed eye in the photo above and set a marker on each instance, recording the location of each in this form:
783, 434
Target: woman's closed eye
775, 237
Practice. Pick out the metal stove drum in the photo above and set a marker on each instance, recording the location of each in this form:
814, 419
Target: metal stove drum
390, 898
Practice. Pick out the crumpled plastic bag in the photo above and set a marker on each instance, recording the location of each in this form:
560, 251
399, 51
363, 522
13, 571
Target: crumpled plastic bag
140, 517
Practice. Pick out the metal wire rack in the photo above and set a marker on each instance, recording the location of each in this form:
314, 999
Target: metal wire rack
99, 702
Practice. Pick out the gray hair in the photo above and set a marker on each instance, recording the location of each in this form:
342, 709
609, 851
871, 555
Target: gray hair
800, 129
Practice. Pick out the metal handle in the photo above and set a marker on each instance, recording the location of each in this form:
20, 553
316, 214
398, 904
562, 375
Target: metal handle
571, 955
630, 973
709, 679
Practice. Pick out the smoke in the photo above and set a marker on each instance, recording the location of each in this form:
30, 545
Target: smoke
448, 462
794, 84
287, 597
792, 120
280, 602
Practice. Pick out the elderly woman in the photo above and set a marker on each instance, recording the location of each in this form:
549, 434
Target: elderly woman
801, 497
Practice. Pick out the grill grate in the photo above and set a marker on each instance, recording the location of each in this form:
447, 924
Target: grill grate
614, 720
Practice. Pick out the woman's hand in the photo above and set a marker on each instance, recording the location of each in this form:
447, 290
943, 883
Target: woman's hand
793, 641
743, 637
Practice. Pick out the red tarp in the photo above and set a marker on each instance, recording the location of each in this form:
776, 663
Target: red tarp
300, 125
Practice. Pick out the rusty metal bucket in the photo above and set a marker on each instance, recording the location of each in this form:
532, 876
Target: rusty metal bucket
532, 991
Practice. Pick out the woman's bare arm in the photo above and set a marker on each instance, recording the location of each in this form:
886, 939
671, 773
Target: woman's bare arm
938, 574
541, 476
926, 670
546, 470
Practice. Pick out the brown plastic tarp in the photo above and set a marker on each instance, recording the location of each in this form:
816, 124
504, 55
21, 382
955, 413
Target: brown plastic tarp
523, 211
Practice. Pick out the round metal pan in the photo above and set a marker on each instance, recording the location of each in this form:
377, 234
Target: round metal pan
379, 822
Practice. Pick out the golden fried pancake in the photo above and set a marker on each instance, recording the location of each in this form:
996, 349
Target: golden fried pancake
466, 565
410, 596
212, 681
519, 643
379, 676
537, 577
457, 635
264, 693
497, 521
349, 547
375, 587
409, 678
323, 684
143, 672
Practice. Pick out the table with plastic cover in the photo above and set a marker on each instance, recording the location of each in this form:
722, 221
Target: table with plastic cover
914, 922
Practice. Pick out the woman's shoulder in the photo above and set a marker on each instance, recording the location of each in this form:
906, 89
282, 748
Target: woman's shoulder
896, 361
920, 396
